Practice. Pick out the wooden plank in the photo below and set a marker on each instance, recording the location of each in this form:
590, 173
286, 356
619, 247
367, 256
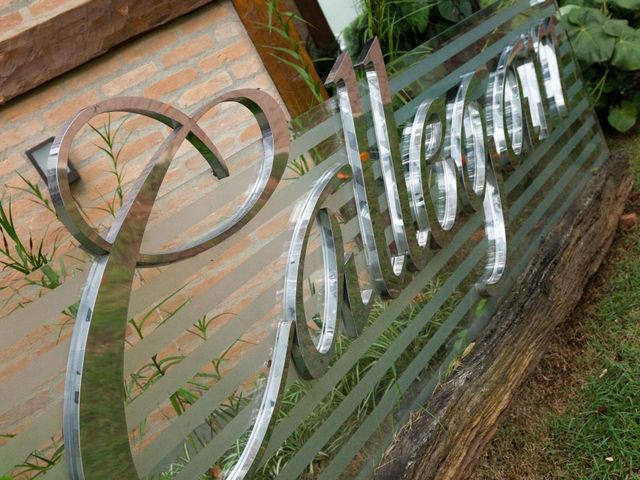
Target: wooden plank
77, 35
319, 28
293, 89
445, 439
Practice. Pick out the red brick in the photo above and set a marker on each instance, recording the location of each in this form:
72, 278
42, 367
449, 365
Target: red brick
149, 143
29, 134
84, 151
263, 82
13, 181
247, 68
26, 104
211, 279
273, 227
11, 164
129, 79
209, 89
148, 44
42, 220
250, 133
10, 139
92, 73
62, 113
208, 17
139, 123
186, 51
225, 145
225, 56
228, 30
20, 416
40, 7
171, 83
9, 22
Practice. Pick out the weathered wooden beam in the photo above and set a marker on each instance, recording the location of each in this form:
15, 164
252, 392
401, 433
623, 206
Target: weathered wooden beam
293, 89
319, 28
76, 36
446, 439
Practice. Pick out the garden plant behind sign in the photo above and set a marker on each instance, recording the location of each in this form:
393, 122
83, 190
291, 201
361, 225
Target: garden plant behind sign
426, 156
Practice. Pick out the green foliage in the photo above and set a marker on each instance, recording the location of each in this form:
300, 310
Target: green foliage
622, 117
397, 24
606, 40
26, 256
236, 402
299, 166
178, 465
402, 25
293, 55
590, 41
455, 11
604, 35
389, 381
35, 192
39, 463
112, 146
20, 255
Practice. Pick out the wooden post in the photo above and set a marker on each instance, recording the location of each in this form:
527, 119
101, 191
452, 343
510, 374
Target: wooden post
292, 87
319, 28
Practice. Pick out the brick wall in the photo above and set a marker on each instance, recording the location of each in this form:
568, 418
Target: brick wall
183, 63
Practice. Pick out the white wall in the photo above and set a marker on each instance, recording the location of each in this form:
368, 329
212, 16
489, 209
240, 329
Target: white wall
339, 14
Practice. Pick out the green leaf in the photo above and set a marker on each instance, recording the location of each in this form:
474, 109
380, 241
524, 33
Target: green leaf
564, 13
583, 3
626, 55
51, 275
306, 76
590, 42
616, 28
455, 10
623, 116
585, 16
625, 4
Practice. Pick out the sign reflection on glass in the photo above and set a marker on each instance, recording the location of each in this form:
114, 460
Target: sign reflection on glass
449, 156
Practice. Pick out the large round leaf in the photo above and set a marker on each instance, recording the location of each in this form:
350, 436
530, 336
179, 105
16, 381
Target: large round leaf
626, 4
584, 3
626, 55
585, 16
623, 116
455, 10
589, 40
565, 9
591, 44
616, 28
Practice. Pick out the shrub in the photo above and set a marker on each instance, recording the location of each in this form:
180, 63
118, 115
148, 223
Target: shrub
402, 25
605, 40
